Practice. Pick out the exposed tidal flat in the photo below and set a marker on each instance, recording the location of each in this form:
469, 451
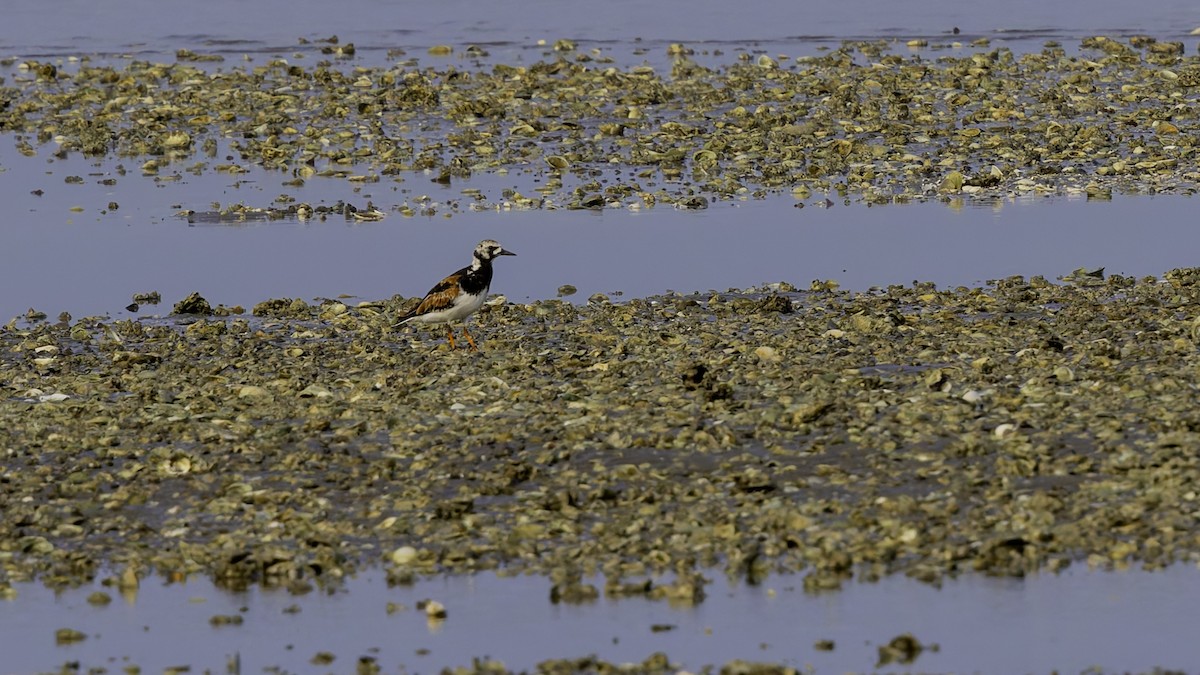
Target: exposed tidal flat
621, 448
639, 450
1002, 430
874, 121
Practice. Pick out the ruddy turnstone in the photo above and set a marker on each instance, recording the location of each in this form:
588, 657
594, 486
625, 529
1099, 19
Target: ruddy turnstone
459, 295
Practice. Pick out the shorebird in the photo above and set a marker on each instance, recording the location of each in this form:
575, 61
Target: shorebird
459, 295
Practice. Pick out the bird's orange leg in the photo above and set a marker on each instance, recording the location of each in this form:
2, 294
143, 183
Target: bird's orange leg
450, 336
469, 339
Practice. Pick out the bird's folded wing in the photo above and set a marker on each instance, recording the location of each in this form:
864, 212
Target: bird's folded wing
438, 298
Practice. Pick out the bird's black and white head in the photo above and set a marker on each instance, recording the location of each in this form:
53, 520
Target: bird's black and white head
488, 250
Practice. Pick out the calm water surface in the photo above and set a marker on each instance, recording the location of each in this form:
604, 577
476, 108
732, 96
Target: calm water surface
235, 26
92, 261
1119, 621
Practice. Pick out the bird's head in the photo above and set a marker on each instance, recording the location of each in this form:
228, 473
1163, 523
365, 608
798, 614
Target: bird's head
489, 249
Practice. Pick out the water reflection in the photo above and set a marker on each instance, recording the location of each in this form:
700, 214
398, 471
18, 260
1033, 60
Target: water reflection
150, 29
94, 261
1129, 620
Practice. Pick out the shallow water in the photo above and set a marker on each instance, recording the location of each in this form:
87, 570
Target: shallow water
92, 261
1120, 621
144, 27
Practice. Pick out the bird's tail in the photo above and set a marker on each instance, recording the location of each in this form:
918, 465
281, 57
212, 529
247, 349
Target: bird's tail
408, 316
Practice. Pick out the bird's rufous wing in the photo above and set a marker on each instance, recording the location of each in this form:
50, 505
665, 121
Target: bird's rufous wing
438, 298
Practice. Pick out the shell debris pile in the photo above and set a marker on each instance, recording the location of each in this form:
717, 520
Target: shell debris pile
1007, 429
947, 121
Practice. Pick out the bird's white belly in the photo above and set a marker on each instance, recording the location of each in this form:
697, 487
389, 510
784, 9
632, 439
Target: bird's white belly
464, 305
